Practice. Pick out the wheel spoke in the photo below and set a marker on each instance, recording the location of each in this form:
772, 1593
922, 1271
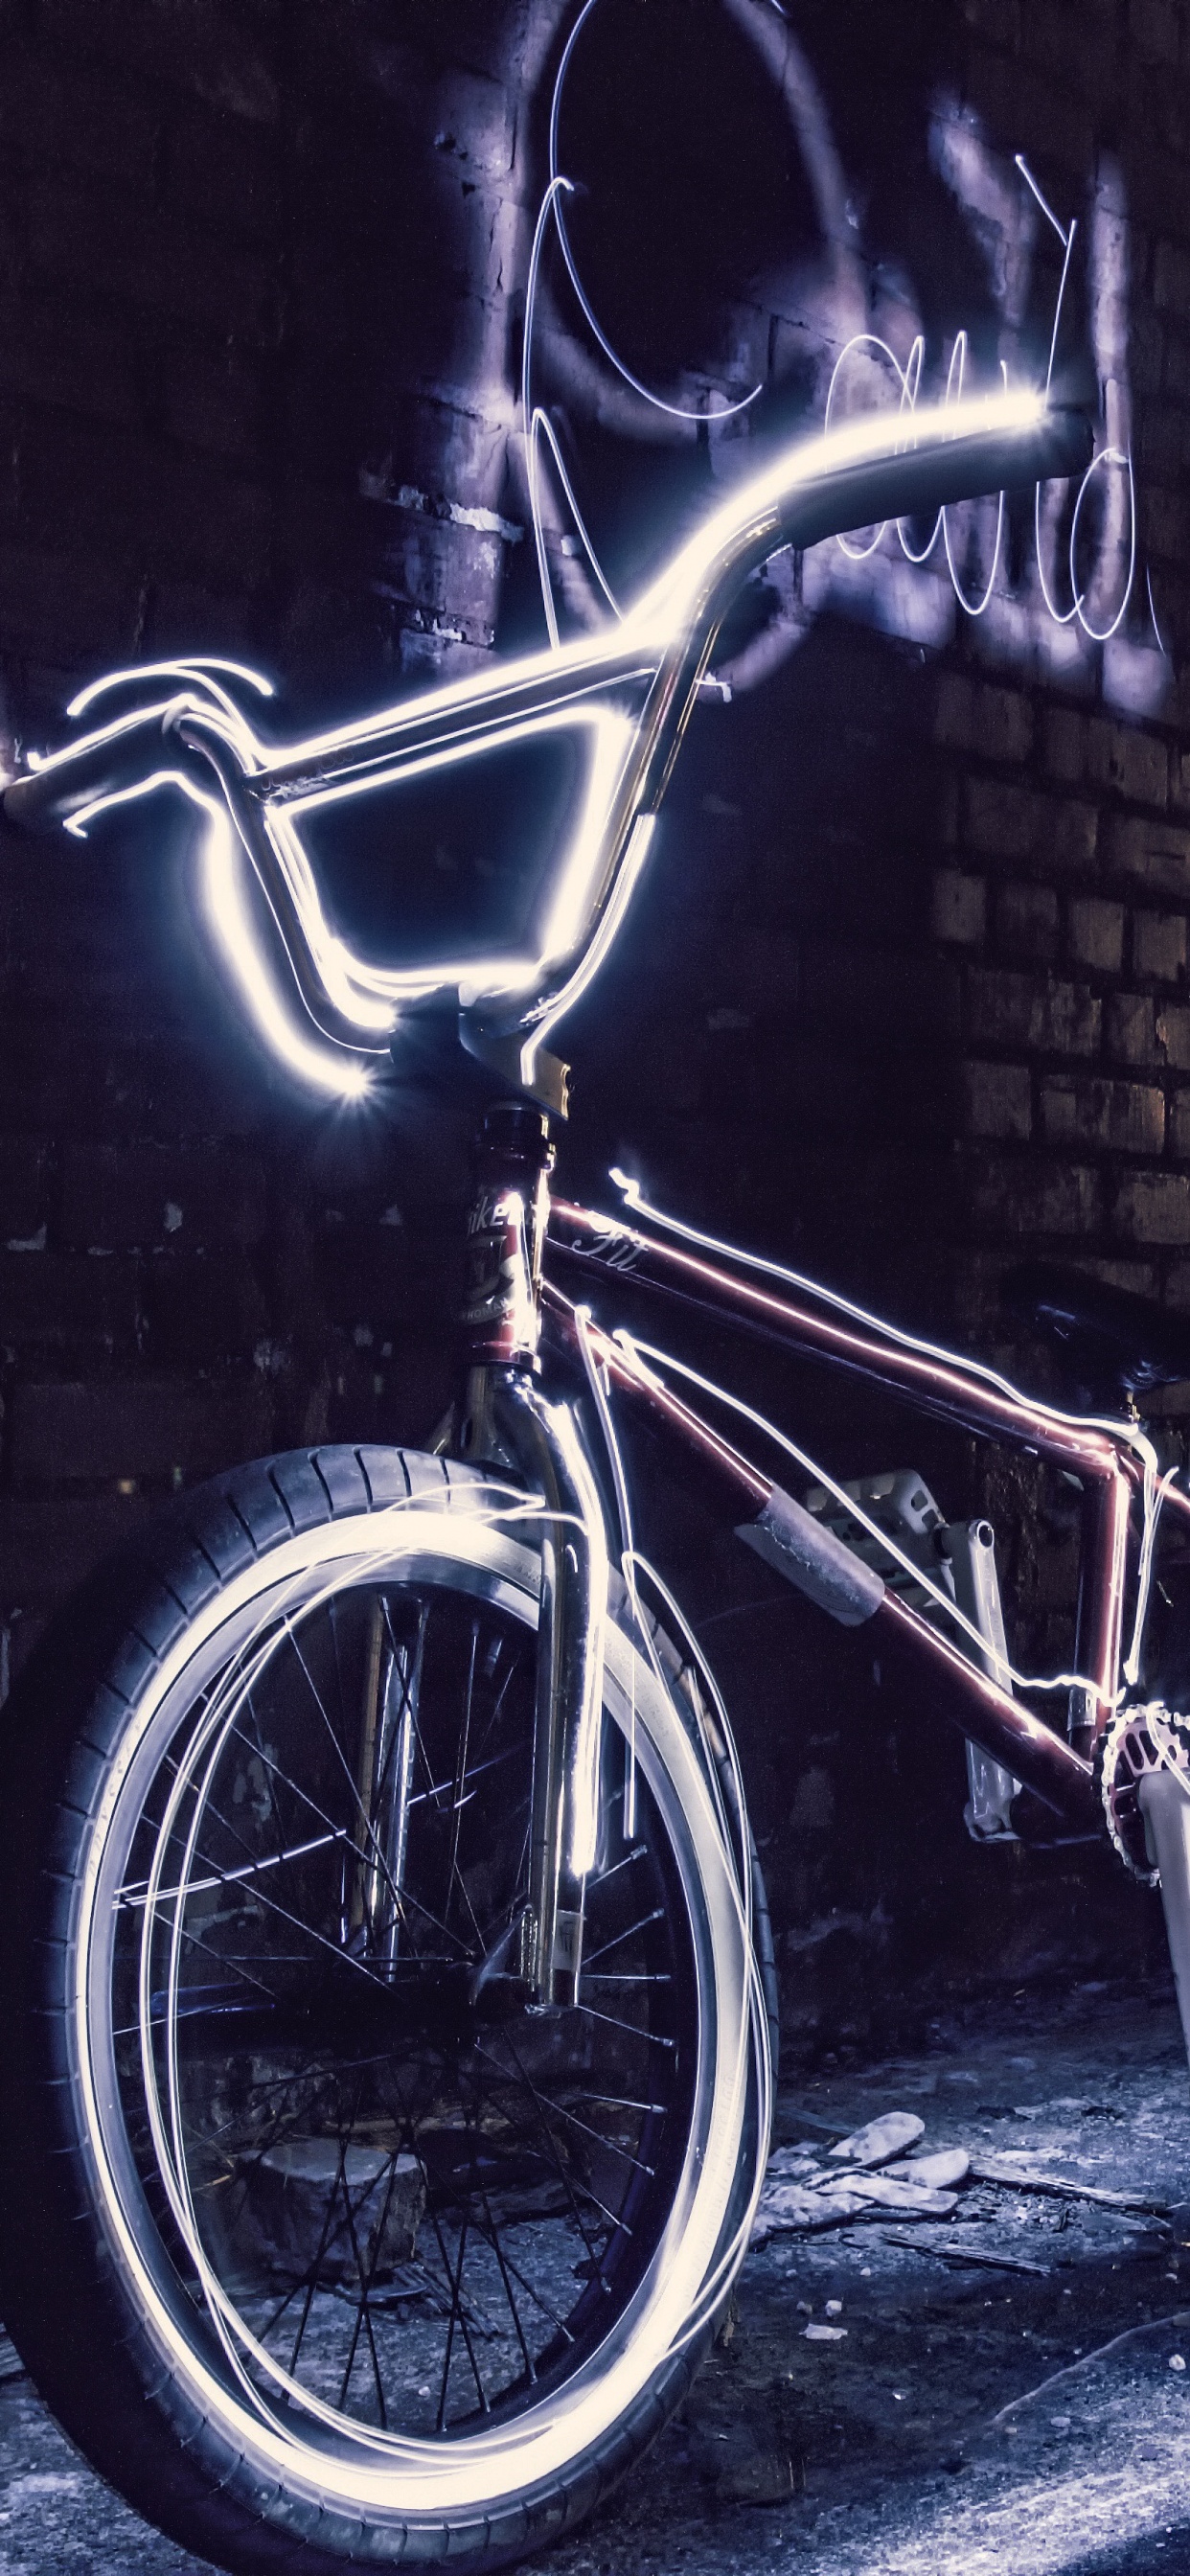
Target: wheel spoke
407, 2198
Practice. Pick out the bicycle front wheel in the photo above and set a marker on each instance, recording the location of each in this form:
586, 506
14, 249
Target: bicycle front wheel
314, 2232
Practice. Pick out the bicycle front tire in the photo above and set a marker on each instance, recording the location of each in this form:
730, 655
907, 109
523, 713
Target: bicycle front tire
312, 2233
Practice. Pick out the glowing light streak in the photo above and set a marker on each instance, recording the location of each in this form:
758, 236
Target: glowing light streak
196, 666
674, 411
908, 379
954, 390
589, 881
1005, 1671
326, 1069
600, 1400
1154, 1489
753, 2027
538, 425
1107, 456
869, 340
637, 852
367, 2464
866, 440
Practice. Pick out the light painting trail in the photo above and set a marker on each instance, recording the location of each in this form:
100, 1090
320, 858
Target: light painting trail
620, 700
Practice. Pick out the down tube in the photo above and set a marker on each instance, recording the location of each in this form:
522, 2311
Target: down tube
950, 1686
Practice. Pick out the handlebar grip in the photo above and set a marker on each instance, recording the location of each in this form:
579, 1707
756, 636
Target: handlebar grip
35, 803
46, 798
928, 477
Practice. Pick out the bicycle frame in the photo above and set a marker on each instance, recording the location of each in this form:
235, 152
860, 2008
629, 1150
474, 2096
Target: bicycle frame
506, 1418
629, 693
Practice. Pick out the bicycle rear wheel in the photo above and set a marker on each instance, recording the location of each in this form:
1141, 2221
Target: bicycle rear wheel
312, 2230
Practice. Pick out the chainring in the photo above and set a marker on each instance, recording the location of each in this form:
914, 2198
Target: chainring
1134, 1744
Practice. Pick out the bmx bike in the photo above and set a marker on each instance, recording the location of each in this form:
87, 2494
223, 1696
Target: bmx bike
386, 2034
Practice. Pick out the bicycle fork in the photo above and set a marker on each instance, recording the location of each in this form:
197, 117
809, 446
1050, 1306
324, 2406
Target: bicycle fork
508, 1421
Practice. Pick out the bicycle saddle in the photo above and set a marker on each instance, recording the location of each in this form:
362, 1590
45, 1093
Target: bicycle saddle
1106, 1338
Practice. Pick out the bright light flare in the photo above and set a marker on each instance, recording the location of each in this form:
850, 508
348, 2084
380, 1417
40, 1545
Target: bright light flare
591, 877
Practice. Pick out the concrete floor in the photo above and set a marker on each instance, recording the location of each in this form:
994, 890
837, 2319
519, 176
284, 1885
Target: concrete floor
880, 2454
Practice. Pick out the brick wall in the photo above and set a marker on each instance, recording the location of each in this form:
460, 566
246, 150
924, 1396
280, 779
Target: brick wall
255, 269
922, 917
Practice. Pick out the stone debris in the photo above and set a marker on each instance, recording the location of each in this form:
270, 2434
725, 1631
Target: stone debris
942, 2171
909, 2199
790, 2209
882, 2139
805, 2196
804, 2191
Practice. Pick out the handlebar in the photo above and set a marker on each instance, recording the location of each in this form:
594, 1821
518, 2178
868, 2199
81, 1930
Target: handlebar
647, 669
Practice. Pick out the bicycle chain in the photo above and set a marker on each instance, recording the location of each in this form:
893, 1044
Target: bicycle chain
1134, 1744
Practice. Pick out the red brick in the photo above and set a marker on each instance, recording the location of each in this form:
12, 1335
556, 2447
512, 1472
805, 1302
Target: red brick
1064, 736
1132, 1032
1153, 1207
1025, 1196
1156, 855
66, 353
1119, 755
953, 712
1167, 520
201, 1310
1159, 945
1036, 1012
1179, 1125
972, 716
958, 907
1027, 920
997, 1100
1005, 820
1096, 933
1173, 1035
1126, 1117
71, 606
1070, 836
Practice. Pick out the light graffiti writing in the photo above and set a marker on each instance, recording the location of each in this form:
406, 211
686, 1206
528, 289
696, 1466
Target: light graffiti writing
1085, 541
